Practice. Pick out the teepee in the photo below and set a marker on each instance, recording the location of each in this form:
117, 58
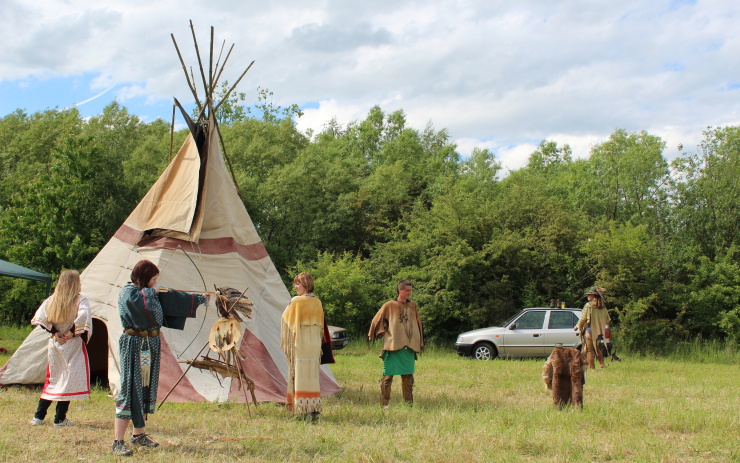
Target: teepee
193, 225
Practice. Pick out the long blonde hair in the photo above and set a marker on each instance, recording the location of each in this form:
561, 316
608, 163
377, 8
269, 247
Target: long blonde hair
62, 306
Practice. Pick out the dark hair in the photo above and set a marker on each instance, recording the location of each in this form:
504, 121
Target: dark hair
306, 279
402, 284
143, 272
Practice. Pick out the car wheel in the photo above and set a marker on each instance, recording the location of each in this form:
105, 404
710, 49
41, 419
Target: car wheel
484, 351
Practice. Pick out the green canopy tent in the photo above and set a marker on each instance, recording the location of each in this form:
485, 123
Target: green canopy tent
13, 270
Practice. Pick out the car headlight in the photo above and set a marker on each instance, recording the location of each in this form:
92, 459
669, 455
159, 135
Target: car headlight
459, 340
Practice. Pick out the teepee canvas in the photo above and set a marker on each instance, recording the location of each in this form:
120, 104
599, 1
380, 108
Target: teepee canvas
193, 225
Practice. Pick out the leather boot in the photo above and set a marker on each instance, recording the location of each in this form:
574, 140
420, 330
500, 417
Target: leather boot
590, 358
600, 358
590, 352
407, 385
385, 390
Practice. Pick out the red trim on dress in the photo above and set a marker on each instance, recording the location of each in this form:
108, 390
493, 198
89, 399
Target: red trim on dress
146, 309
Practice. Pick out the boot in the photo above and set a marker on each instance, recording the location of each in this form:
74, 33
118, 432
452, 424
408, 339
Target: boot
590, 355
407, 385
385, 390
600, 358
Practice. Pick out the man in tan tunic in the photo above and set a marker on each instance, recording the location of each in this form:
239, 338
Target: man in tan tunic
592, 324
399, 324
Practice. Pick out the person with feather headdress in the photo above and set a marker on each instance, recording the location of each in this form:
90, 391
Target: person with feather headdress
592, 325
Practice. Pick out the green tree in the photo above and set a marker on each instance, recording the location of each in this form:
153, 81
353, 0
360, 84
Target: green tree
268, 110
711, 300
706, 193
27, 143
627, 177
549, 156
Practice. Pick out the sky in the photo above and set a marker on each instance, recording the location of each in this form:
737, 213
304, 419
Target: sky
497, 75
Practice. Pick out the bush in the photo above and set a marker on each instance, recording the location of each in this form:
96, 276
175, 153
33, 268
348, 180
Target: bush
639, 332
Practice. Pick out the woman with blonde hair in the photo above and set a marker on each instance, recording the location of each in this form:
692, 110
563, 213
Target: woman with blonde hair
66, 315
301, 337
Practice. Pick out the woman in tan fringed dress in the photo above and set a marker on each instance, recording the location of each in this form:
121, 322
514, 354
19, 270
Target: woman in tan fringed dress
301, 336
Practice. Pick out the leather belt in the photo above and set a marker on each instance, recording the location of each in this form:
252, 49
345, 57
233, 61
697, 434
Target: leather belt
153, 333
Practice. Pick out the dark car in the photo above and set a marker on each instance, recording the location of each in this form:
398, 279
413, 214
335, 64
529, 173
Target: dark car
533, 332
339, 338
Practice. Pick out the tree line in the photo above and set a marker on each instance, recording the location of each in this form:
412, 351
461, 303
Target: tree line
364, 205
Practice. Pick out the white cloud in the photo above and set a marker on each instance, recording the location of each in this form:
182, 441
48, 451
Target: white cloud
503, 75
316, 118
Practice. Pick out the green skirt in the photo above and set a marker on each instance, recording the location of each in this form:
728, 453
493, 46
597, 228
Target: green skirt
398, 362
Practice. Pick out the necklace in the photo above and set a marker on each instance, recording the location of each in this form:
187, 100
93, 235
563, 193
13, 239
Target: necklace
404, 318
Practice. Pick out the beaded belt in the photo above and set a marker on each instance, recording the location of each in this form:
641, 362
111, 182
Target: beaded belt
142, 333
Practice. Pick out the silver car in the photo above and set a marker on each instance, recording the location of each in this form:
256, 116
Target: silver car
339, 338
532, 332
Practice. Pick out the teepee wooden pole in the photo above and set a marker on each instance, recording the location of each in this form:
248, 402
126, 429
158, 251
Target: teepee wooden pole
210, 66
218, 76
172, 131
228, 161
233, 86
200, 61
185, 70
220, 54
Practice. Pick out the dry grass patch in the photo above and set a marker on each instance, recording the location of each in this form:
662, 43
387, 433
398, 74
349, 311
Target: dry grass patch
639, 410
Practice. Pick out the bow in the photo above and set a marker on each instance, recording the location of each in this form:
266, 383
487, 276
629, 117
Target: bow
205, 290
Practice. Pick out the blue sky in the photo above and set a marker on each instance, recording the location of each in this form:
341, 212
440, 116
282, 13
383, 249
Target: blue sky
34, 94
497, 75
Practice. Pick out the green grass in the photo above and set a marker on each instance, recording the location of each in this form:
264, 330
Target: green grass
643, 409
11, 338
705, 351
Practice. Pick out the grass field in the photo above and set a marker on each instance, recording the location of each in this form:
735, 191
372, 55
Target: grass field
642, 409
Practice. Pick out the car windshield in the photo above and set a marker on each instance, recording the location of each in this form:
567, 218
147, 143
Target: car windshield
511, 319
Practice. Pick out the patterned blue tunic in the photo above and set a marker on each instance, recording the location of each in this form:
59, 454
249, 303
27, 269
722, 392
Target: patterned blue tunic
140, 309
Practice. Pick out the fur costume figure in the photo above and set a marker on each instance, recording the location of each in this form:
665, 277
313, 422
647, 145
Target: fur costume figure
564, 374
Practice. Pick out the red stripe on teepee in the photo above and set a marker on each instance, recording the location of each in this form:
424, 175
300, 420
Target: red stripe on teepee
269, 383
169, 372
327, 386
213, 246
